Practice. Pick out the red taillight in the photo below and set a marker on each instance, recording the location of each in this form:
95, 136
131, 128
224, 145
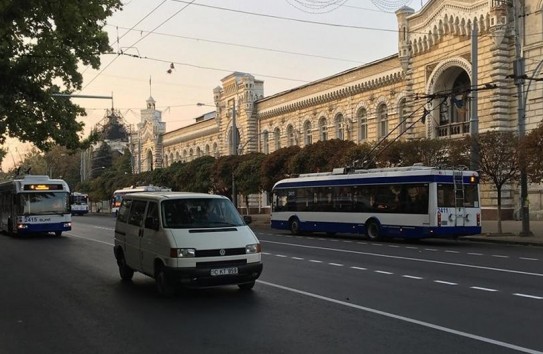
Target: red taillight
438, 219
478, 219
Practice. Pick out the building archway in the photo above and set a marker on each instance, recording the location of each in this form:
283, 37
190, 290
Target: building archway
449, 84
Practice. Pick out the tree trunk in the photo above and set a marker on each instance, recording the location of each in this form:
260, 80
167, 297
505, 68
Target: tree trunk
499, 190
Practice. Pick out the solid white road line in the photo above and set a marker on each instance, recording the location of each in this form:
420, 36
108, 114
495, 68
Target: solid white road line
405, 319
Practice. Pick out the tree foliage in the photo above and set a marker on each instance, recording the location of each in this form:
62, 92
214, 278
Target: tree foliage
320, 156
195, 176
499, 161
42, 43
275, 166
532, 148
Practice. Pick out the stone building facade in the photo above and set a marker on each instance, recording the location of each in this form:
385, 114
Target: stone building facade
433, 72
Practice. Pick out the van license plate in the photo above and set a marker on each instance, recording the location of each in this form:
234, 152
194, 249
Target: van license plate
224, 271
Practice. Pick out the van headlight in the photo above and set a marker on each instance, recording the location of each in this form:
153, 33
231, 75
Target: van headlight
253, 248
182, 252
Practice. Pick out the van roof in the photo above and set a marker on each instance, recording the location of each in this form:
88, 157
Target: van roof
172, 195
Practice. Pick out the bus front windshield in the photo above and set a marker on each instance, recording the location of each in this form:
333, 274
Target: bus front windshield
43, 203
80, 199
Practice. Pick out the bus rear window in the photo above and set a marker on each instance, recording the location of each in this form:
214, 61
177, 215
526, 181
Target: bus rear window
446, 196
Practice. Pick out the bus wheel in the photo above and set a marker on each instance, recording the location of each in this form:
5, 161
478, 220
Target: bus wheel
295, 226
58, 233
373, 230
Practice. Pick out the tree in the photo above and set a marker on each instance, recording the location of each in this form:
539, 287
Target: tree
223, 171
499, 162
42, 45
321, 156
532, 147
275, 166
102, 159
247, 175
195, 176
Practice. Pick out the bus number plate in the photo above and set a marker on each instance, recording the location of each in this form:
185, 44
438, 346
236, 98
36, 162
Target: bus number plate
224, 271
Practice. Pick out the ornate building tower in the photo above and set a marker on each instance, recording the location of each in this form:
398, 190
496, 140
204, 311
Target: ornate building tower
239, 91
146, 142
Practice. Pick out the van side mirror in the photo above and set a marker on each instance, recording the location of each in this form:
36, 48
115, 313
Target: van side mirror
248, 219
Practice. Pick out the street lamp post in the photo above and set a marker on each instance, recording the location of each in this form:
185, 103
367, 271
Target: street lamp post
519, 82
234, 151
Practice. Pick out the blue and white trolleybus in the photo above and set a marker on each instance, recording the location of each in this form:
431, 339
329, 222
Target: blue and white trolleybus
35, 204
406, 202
79, 203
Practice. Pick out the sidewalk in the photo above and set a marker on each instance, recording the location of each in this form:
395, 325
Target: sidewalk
510, 231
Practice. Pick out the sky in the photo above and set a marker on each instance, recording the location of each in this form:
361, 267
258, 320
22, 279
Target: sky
177, 51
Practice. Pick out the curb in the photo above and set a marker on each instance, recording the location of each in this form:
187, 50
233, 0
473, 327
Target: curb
495, 238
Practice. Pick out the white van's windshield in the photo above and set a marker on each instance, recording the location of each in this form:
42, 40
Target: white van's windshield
198, 213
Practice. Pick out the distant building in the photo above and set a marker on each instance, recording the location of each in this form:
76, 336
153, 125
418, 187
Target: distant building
432, 70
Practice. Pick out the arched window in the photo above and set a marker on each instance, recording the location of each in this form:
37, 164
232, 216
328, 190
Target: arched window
323, 129
149, 160
382, 120
166, 160
215, 150
340, 127
277, 138
171, 158
191, 154
198, 152
308, 133
177, 157
207, 150
290, 135
265, 142
362, 116
454, 113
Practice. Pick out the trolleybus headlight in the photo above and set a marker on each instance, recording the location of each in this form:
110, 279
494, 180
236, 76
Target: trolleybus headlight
22, 226
182, 252
253, 248
67, 224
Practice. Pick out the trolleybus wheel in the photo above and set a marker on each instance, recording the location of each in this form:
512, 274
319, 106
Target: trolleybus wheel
58, 233
295, 226
373, 230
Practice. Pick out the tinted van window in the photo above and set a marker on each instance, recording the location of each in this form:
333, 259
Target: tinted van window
122, 216
137, 212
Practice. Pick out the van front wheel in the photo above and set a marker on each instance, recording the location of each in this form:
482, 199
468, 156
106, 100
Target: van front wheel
246, 286
164, 286
125, 271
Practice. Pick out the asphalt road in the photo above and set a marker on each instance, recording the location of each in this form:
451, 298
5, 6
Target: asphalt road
316, 295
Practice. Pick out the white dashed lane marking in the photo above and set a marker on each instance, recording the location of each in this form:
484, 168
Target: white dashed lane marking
413, 277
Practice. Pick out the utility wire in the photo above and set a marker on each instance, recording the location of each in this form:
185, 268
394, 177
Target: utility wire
140, 39
240, 45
